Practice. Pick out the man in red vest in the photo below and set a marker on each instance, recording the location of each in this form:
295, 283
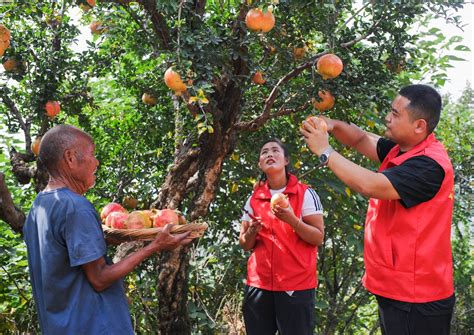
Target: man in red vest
407, 247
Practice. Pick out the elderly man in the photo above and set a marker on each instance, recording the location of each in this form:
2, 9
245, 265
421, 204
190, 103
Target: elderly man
76, 288
407, 247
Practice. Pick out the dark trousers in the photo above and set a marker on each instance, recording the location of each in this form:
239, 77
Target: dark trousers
412, 319
266, 312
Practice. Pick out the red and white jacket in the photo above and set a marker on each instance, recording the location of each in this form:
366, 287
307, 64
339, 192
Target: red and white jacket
280, 260
407, 251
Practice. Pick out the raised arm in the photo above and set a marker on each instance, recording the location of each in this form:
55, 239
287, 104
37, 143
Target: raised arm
351, 135
359, 179
364, 181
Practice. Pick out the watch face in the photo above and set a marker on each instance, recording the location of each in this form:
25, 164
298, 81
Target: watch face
323, 158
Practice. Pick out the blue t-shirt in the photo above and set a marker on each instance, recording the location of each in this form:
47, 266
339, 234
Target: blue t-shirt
63, 232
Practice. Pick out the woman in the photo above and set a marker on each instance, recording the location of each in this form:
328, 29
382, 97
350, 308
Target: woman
281, 271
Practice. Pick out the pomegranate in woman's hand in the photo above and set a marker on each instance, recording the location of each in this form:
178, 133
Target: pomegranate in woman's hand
279, 199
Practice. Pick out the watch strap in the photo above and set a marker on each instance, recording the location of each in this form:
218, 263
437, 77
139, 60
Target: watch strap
324, 158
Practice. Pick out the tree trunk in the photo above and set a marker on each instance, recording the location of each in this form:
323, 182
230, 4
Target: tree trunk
201, 168
197, 168
173, 292
8, 211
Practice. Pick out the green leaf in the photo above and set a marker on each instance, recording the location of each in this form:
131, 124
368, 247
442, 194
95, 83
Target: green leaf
321, 304
434, 30
455, 39
462, 48
455, 58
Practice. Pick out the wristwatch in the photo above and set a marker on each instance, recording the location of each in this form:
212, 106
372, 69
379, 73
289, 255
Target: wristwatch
324, 158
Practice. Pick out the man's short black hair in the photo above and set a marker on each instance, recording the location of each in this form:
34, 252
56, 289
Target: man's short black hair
425, 103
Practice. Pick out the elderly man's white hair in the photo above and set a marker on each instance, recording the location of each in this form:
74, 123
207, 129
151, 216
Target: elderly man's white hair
55, 142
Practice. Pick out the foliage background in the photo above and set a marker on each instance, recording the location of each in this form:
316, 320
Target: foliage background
100, 90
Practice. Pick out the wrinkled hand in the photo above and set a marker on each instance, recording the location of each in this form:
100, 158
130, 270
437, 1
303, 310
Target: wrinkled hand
166, 241
255, 225
284, 214
316, 138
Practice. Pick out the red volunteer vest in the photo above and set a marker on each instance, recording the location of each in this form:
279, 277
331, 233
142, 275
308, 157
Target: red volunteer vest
407, 252
280, 260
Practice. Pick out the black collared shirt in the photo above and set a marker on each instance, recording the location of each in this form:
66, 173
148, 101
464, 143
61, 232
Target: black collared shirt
416, 180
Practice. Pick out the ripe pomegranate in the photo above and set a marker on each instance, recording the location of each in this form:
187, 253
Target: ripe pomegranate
299, 53
117, 220
52, 108
252, 19
110, 208
267, 21
165, 216
84, 7
258, 79
11, 65
138, 220
279, 199
149, 99
181, 219
4, 46
35, 146
97, 28
130, 202
317, 123
4, 33
329, 66
173, 81
256, 20
150, 213
327, 101
91, 3
395, 67
271, 50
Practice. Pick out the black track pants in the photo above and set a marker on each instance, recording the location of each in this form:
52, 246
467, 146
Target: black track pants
266, 312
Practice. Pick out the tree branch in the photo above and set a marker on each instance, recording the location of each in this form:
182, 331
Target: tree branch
352, 297
174, 187
356, 307
210, 177
24, 125
364, 36
10, 277
353, 16
259, 121
20, 168
137, 20
8, 211
193, 108
159, 24
255, 124
200, 6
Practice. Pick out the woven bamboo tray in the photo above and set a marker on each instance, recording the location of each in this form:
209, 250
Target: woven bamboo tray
197, 229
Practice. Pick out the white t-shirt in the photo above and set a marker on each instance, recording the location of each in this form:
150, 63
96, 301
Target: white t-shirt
311, 204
